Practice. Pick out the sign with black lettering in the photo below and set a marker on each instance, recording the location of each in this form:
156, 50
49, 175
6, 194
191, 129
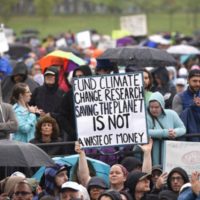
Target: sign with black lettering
110, 110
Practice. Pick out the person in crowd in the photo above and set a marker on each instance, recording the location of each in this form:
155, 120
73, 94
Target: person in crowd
110, 195
191, 95
47, 131
176, 179
118, 173
22, 191
131, 163
7, 186
8, 120
156, 173
26, 115
96, 186
36, 73
138, 184
191, 119
48, 96
164, 85
162, 124
53, 179
72, 190
66, 115
148, 80
19, 74
191, 191
180, 85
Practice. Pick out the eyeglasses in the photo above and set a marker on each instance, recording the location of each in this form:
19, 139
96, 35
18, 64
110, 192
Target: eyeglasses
178, 178
23, 193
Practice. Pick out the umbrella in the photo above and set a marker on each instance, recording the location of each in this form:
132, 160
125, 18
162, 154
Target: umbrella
138, 56
183, 49
20, 154
17, 51
102, 169
60, 58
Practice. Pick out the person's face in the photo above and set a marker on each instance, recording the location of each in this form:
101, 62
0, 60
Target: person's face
79, 73
180, 88
61, 178
176, 181
194, 83
143, 185
50, 79
146, 80
155, 176
95, 192
46, 129
116, 175
27, 95
22, 192
69, 194
155, 108
36, 69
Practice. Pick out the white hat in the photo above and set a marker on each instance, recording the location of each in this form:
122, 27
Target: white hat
71, 185
180, 81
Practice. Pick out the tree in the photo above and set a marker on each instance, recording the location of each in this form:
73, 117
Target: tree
6, 9
44, 8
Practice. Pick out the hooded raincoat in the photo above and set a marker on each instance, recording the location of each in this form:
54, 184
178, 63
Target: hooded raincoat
158, 127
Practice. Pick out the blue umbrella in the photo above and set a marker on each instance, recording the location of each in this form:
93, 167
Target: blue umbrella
102, 169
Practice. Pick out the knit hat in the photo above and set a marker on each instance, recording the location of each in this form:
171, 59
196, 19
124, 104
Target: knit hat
113, 194
96, 182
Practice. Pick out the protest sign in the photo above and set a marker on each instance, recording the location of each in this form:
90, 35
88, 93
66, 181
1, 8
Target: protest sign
83, 39
3, 41
135, 24
110, 110
181, 154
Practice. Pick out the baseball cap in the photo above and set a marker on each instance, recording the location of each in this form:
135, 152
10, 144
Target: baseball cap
70, 185
97, 182
49, 72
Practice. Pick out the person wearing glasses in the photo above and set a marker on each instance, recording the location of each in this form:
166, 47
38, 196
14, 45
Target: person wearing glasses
176, 179
25, 114
22, 191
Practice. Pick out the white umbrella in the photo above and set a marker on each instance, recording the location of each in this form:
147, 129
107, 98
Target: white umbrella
159, 39
183, 49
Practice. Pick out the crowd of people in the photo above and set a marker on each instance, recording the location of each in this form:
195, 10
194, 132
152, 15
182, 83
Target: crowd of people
38, 107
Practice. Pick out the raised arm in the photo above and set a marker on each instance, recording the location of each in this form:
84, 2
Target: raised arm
147, 160
83, 169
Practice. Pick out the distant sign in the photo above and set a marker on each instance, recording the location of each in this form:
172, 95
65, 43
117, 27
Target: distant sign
110, 110
135, 24
83, 39
3, 42
181, 154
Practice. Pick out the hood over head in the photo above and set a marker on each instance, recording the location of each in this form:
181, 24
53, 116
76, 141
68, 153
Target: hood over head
157, 96
180, 171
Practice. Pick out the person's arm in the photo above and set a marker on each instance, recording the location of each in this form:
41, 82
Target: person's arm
83, 169
10, 125
147, 160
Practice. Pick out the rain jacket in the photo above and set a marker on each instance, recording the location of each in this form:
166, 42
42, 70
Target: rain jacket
187, 194
48, 98
26, 121
191, 119
8, 82
158, 127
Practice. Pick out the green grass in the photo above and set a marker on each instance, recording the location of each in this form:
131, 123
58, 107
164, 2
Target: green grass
103, 23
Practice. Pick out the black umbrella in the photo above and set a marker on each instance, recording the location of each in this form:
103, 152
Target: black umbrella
20, 154
138, 56
17, 51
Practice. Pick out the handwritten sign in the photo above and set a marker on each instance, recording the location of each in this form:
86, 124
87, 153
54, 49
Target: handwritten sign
110, 110
135, 24
181, 154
